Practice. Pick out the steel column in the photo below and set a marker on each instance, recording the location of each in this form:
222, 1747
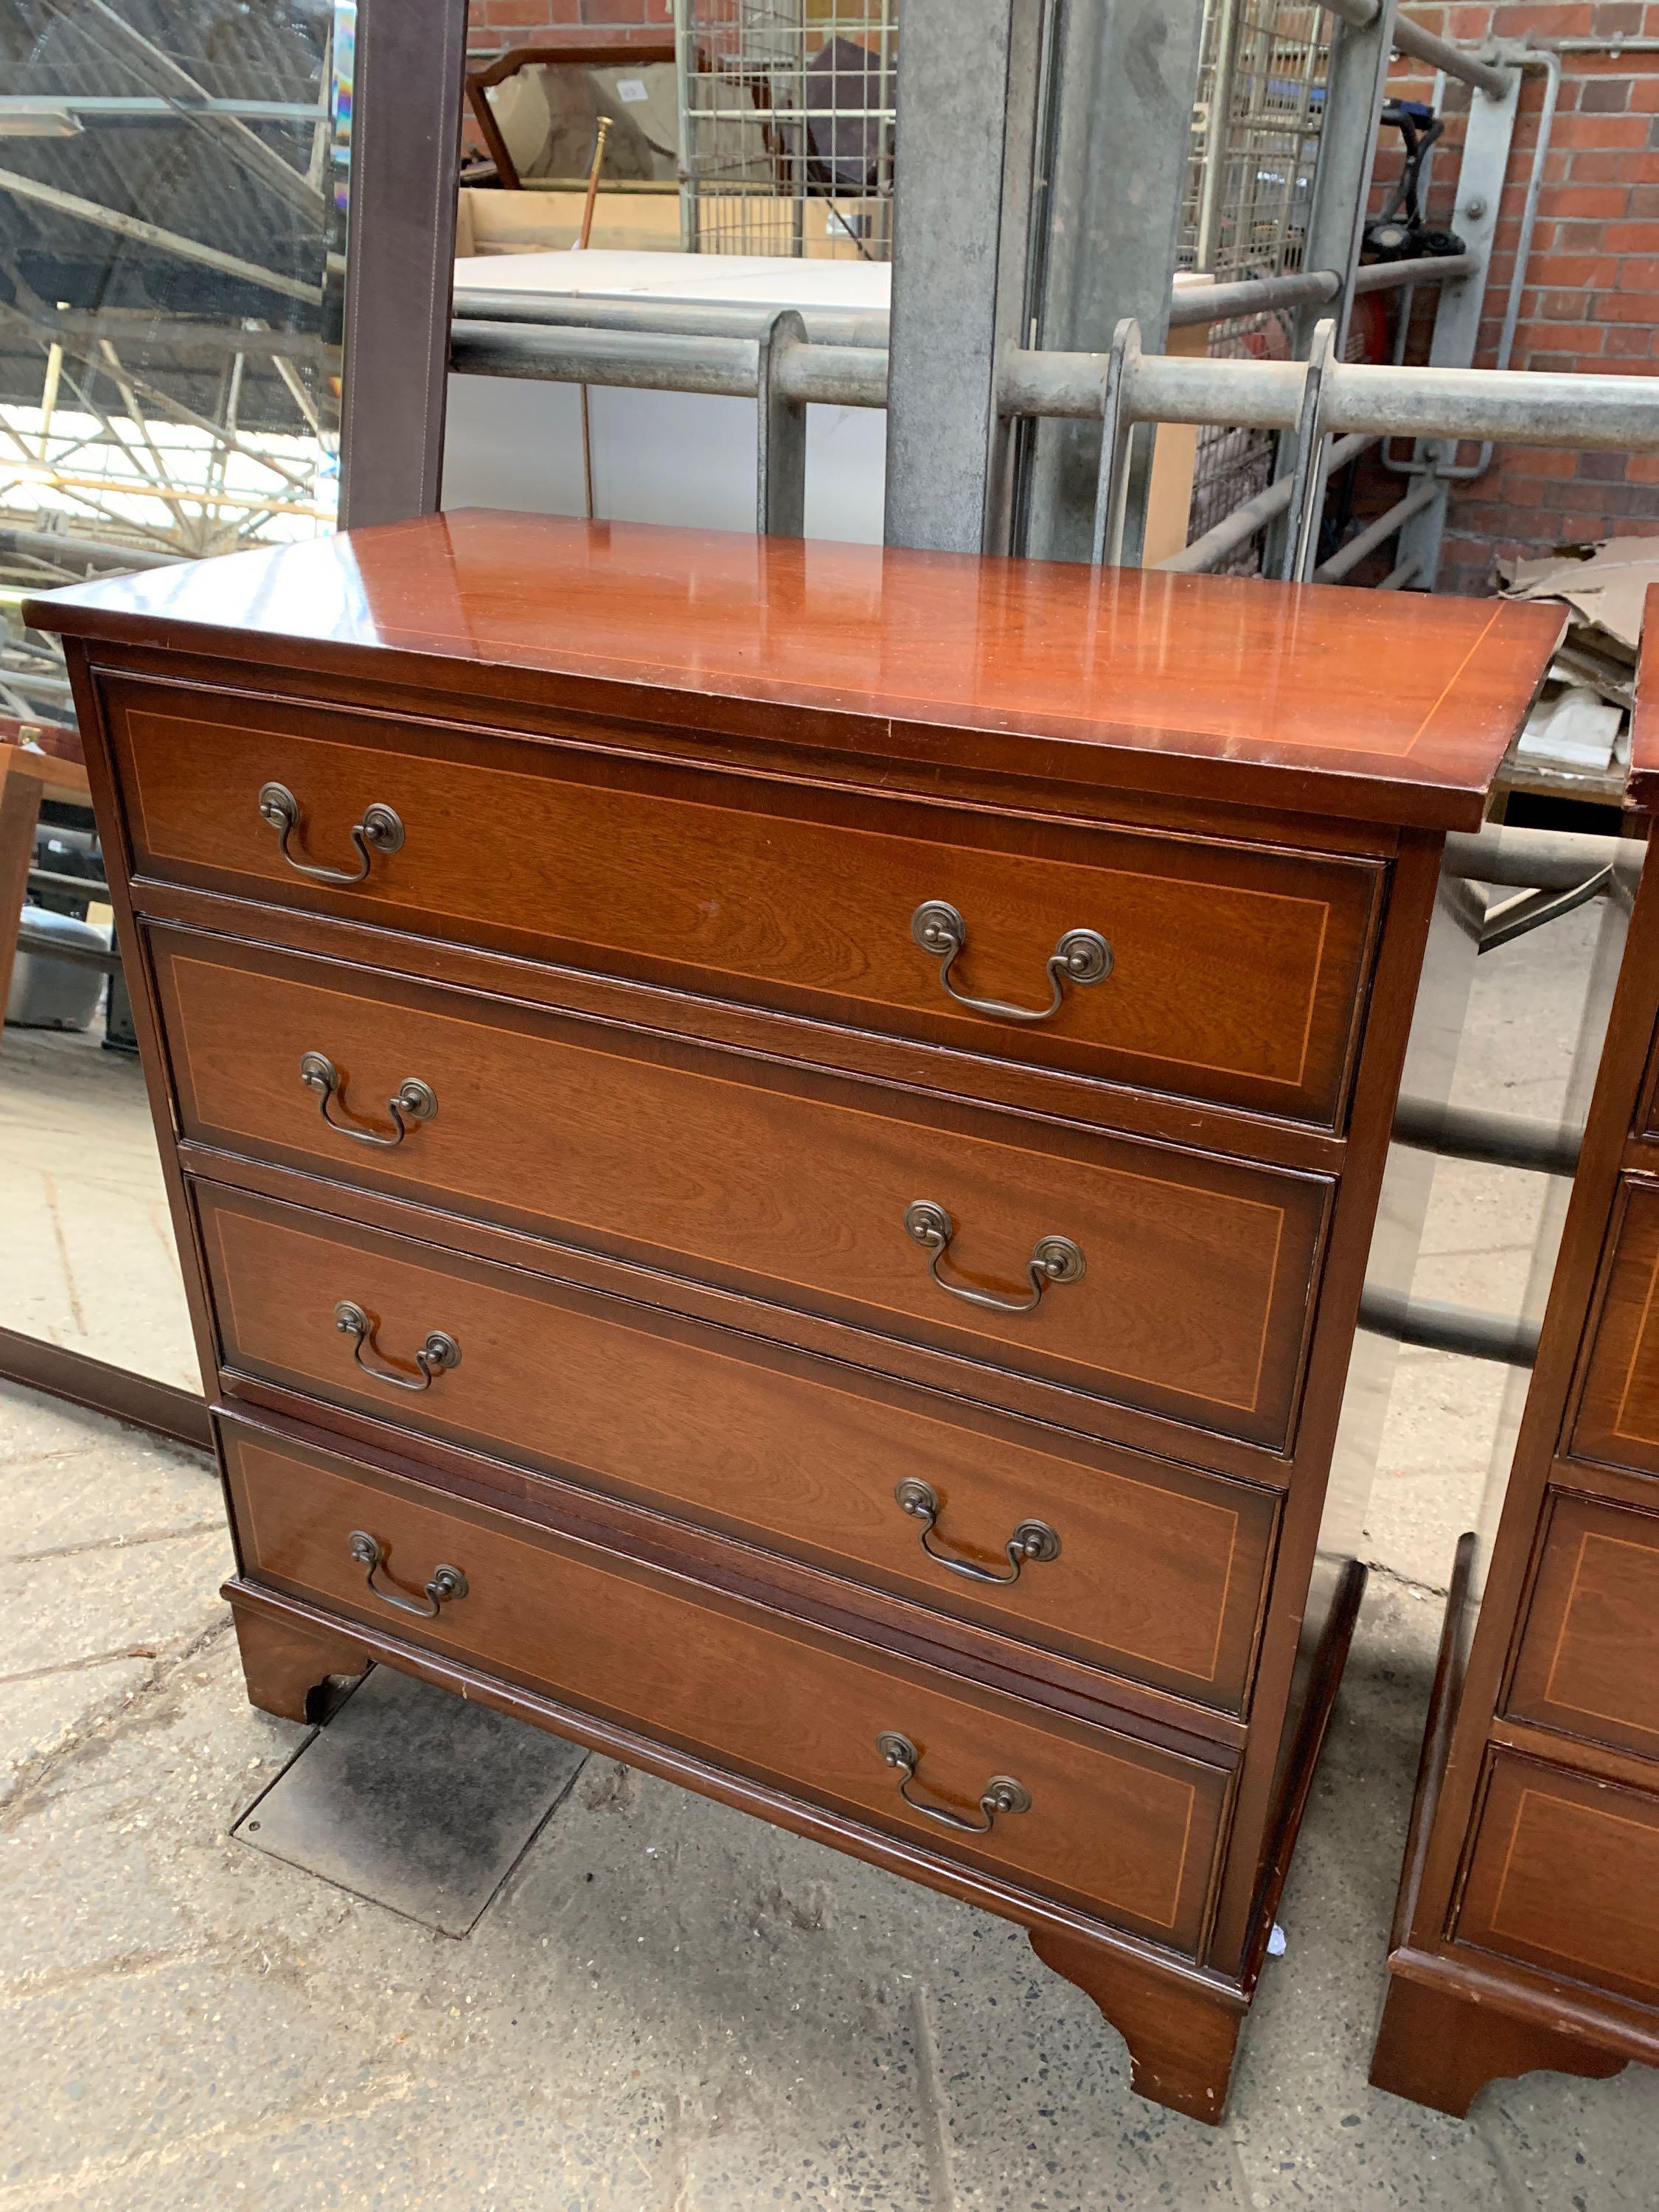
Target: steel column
967, 96
1125, 74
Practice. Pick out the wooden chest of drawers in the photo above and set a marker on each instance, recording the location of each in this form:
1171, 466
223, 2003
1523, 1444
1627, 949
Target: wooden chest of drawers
1528, 1932
777, 1148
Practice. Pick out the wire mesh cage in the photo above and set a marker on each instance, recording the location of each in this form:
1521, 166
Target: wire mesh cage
787, 137
1249, 186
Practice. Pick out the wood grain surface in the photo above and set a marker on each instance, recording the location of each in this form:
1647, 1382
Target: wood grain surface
1119, 1827
1161, 1573
1565, 1870
1199, 1273
1617, 1419
1237, 974
1382, 708
1589, 1661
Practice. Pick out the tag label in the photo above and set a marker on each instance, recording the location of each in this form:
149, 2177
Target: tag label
631, 89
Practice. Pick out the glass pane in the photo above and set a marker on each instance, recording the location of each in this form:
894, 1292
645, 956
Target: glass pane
172, 196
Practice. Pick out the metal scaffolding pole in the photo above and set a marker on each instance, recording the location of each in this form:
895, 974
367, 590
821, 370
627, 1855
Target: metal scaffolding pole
1412, 39
1123, 79
1354, 90
966, 98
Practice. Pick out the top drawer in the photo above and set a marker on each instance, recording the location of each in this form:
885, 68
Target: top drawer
1233, 975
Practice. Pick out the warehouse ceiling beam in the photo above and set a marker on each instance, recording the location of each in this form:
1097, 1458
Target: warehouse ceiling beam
97, 20
151, 233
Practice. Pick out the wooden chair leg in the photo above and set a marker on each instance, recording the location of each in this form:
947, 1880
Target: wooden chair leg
289, 1670
20, 812
1441, 2050
1182, 2043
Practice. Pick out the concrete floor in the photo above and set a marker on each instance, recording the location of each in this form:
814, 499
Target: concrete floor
669, 2006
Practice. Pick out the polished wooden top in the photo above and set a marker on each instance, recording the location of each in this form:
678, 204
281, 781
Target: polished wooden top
1376, 706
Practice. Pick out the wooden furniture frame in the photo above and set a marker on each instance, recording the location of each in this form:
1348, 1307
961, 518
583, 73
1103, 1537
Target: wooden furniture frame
1527, 1934
578, 48
547, 932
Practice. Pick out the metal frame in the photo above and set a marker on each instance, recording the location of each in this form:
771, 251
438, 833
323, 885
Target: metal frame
968, 82
1104, 233
400, 256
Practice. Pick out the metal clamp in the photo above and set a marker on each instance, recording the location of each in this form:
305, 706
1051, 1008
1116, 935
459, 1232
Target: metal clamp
380, 830
435, 1356
413, 1101
1002, 1794
1082, 957
447, 1584
1033, 1540
1053, 1259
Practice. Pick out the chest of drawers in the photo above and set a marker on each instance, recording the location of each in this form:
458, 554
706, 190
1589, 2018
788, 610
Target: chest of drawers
777, 1147
1528, 1929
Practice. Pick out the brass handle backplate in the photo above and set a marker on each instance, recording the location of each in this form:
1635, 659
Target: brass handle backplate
1032, 1541
1081, 957
1054, 1260
1002, 1794
435, 1356
380, 830
447, 1584
411, 1102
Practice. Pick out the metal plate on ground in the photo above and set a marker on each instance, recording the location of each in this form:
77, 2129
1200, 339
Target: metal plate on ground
414, 1799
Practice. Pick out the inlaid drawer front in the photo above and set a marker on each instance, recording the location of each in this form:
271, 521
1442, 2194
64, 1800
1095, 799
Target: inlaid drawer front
1617, 1419
1171, 1282
1127, 1564
1589, 1661
1174, 963
1564, 1875
1121, 1827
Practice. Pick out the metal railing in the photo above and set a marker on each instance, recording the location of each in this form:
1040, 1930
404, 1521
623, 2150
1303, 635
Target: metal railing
1421, 46
1318, 399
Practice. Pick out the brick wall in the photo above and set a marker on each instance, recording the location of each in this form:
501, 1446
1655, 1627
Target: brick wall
496, 24
1591, 301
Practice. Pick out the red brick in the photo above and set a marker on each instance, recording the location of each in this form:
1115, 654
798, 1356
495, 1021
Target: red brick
1584, 271
1609, 202
1599, 168
1601, 468
523, 15
1639, 272
1645, 93
1604, 95
1575, 338
1626, 342
1515, 23
1632, 238
1538, 461
1601, 130
1624, 307
1641, 468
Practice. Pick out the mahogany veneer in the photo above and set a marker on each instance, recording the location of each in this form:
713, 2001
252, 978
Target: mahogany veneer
1527, 1931
575, 1336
